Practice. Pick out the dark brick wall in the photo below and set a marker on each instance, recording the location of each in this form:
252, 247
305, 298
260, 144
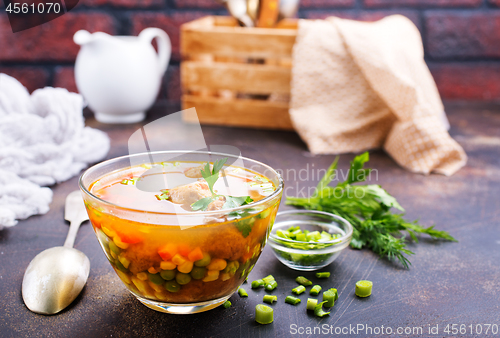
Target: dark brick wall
461, 38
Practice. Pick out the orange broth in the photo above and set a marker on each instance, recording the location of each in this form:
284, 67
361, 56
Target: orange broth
177, 263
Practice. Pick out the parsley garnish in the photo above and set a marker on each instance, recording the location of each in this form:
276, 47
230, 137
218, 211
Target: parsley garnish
211, 176
367, 208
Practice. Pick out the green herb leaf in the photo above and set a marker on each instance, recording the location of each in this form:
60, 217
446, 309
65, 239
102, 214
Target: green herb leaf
212, 176
203, 203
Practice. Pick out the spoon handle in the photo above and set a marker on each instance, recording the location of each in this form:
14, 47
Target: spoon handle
73, 230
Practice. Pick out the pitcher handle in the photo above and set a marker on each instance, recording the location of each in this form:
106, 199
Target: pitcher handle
164, 45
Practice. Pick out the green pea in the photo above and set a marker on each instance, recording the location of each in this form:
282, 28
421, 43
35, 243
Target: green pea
198, 272
155, 278
172, 286
114, 248
182, 278
167, 274
204, 261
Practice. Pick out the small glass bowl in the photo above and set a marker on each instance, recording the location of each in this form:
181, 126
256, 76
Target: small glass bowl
309, 256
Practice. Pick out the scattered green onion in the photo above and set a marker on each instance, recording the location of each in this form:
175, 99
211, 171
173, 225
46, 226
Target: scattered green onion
270, 299
263, 314
329, 298
268, 279
227, 304
258, 283
318, 310
311, 303
303, 281
364, 288
335, 292
292, 300
315, 290
299, 289
271, 286
322, 274
242, 292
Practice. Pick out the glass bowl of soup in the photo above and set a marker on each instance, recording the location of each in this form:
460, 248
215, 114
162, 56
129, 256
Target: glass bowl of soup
172, 256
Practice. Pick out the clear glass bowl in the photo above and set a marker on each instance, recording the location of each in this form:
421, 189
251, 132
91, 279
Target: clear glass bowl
309, 256
131, 238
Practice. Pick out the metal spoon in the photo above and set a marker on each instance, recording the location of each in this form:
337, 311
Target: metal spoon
56, 276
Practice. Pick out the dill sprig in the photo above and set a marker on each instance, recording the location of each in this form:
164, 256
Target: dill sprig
368, 209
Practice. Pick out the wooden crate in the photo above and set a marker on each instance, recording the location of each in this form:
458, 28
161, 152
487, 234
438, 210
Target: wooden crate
237, 76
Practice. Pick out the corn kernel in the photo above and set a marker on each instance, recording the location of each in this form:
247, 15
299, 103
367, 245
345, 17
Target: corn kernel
185, 267
153, 270
123, 276
125, 262
119, 243
140, 285
167, 265
108, 231
211, 276
225, 276
156, 287
217, 264
142, 276
161, 296
178, 259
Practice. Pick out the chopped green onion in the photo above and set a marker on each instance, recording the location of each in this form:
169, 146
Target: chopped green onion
335, 292
124, 182
271, 286
311, 303
268, 279
227, 304
329, 298
315, 290
257, 283
263, 314
303, 281
364, 288
162, 197
292, 300
270, 299
322, 274
318, 310
299, 289
242, 292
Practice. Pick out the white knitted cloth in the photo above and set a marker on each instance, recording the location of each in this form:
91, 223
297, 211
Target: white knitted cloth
43, 140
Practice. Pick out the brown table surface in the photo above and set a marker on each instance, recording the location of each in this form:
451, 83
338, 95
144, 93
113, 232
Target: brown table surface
448, 283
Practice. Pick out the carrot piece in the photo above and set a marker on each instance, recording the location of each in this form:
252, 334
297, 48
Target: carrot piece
167, 251
130, 238
195, 255
184, 249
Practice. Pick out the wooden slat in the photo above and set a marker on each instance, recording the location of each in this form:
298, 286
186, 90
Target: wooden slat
246, 78
240, 113
197, 38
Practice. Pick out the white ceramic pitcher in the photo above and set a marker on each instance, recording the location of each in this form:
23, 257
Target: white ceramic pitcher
120, 76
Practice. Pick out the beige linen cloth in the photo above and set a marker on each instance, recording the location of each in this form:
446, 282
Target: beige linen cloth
359, 86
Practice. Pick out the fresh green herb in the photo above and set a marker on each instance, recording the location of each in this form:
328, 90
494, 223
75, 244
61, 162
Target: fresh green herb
263, 314
322, 274
270, 299
292, 300
227, 304
367, 208
315, 290
242, 292
318, 310
329, 298
303, 281
299, 289
363, 288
